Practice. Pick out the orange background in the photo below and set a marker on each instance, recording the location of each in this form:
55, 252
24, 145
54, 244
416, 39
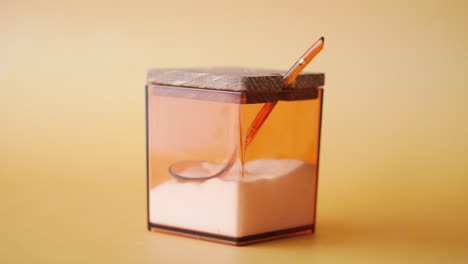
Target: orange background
393, 175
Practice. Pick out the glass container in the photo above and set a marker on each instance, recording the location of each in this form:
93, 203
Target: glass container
206, 180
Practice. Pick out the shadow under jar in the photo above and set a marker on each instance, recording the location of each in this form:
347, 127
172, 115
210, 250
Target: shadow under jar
203, 115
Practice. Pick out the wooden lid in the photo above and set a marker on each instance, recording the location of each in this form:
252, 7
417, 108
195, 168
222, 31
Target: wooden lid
231, 79
233, 85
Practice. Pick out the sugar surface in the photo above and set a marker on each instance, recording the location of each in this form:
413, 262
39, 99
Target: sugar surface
274, 194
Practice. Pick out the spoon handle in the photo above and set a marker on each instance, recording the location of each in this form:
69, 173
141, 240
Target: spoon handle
262, 115
288, 81
290, 77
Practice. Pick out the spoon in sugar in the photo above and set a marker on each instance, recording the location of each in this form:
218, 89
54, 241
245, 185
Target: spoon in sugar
199, 170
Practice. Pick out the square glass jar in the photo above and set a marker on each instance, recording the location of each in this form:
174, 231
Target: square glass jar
197, 126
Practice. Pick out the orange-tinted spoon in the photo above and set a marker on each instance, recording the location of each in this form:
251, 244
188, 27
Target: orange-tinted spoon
194, 169
289, 79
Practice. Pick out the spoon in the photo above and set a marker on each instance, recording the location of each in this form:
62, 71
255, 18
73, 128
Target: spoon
199, 170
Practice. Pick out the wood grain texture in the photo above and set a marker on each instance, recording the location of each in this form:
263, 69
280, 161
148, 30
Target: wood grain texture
232, 85
231, 79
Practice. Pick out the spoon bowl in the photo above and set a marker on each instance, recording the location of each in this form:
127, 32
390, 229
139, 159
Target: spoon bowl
194, 170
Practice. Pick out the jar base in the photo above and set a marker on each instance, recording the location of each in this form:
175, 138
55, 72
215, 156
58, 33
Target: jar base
229, 240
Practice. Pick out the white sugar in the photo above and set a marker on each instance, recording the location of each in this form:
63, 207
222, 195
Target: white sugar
274, 194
